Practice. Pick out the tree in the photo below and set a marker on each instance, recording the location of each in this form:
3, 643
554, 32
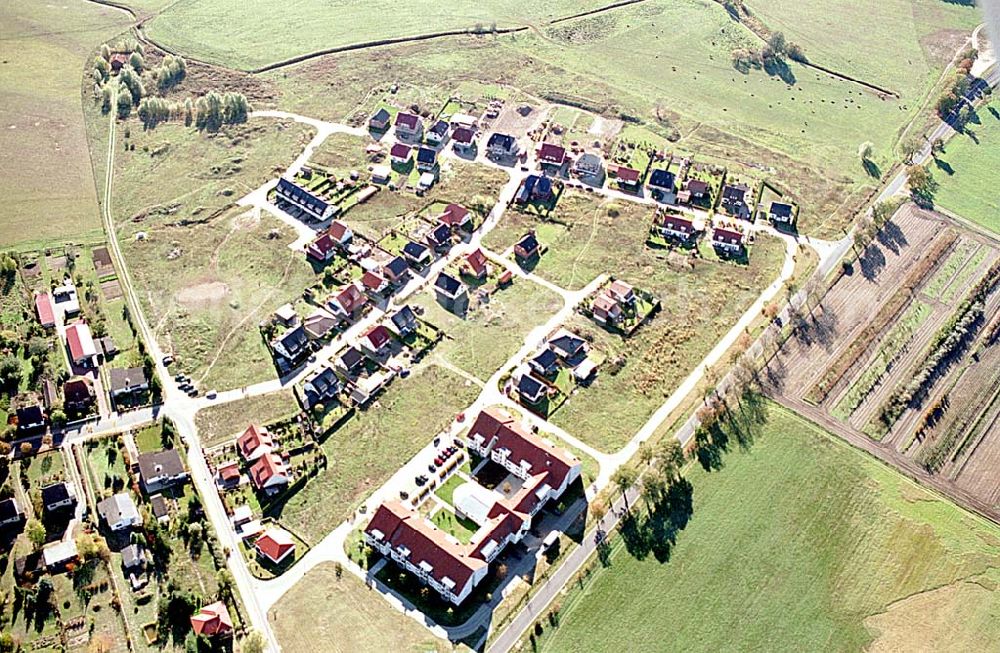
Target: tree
253, 643
653, 486
36, 533
10, 371
937, 146
910, 147
135, 60
645, 453
671, 459
225, 581
778, 44
624, 478
123, 102
865, 151
105, 52
922, 185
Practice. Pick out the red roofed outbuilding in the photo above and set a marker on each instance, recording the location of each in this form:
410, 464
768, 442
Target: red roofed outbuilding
213, 620
45, 309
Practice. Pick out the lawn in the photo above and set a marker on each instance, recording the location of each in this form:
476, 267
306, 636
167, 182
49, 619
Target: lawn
218, 424
700, 300
48, 180
970, 190
345, 616
365, 451
460, 528
491, 333
799, 543
250, 43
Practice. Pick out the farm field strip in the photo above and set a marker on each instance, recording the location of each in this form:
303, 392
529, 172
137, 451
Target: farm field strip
971, 270
945, 274
891, 346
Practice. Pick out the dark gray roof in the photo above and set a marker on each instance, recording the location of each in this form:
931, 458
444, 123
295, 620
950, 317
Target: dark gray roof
780, 209
56, 493
9, 509
440, 128
441, 234
382, 115
448, 284
567, 343
125, 378
294, 339
500, 140
300, 196
403, 318
426, 155
528, 242
160, 507
397, 266
545, 359
166, 462
351, 358
325, 381
734, 193
529, 387
661, 179
415, 251
29, 415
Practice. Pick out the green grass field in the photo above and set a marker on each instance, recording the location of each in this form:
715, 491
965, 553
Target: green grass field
799, 544
345, 616
484, 339
218, 424
48, 182
971, 191
250, 42
363, 453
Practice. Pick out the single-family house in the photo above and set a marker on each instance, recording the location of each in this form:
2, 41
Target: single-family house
228, 474
50, 395
426, 181
456, 216
286, 315
269, 473
381, 174
345, 303
322, 385
463, 121
254, 442
501, 146
476, 264
351, 362
437, 133
376, 339
59, 554
734, 200
292, 345
529, 388
400, 153
213, 620
374, 282
80, 342
440, 237
307, 203
160, 508
780, 212
10, 513
408, 126
621, 292
545, 362
448, 287
161, 469
661, 183
727, 240
341, 234
322, 248
78, 394
698, 188
65, 298
674, 226
29, 417
45, 310
397, 270
275, 545
551, 154
605, 309
318, 325
426, 158
56, 496
463, 140
133, 558
107, 347
527, 247
567, 345
404, 321
379, 121
628, 178
119, 512
417, 254
127, 381
588, 164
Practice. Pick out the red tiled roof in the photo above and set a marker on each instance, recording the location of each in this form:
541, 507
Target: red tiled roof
628, 175
320, 247
524, 445
230, 471
696, 185
400, 526
605, 304
407, 119
372, 281
251, 439
350, 298
550, 153
274, 544
80, 342
45, 309
267, 467
454, 215
338, 230
678, 224
720, 233
477, 261
400, 151
620, 288
378, 336
213, 619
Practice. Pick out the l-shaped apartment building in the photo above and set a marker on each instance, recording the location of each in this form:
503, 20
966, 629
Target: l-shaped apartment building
438, 559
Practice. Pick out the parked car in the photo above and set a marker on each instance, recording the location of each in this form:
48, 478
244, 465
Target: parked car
211, 394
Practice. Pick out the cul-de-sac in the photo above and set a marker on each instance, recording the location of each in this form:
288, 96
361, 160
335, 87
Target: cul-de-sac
499, 326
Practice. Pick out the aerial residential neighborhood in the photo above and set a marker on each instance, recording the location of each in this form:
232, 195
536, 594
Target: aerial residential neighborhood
660, 325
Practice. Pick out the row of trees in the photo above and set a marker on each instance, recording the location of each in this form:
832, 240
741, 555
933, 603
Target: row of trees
952, 99
769, 56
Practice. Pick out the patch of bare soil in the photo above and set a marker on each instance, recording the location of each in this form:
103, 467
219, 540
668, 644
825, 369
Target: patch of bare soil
203, 294
111, 289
